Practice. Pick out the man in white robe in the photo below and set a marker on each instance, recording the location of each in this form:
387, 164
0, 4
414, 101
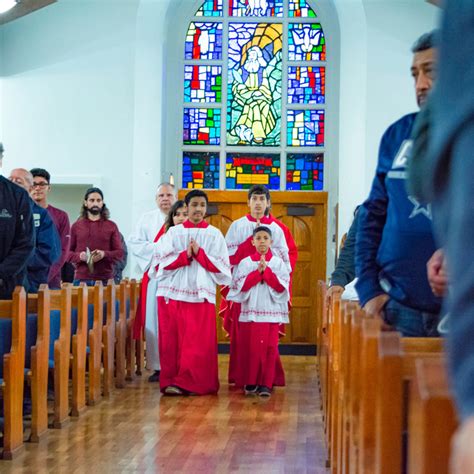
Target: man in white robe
141, 247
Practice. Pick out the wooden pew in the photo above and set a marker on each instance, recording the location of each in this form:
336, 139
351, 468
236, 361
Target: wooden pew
121, 335
38, 373
96, 297
79, 302
13, 373
135, 348
432, 419
108, 339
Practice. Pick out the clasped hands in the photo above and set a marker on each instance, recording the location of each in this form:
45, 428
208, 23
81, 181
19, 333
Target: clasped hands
193, 248
262, 264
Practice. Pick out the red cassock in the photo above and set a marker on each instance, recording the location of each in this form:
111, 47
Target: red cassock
140, 316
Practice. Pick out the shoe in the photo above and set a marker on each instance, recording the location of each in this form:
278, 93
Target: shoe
250, 389
154, 377
172, 390
264, 392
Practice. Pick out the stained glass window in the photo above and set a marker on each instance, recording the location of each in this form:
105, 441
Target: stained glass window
255, 7
306, 85
203, 41
210, 8
243, 170
300, 8
305, 171
202, 126
254, 84
305, 128
241, 43
306, 42
200, 170
202, 83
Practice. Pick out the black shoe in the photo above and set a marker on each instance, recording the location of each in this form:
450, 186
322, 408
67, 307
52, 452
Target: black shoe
250, 389
264, 392
154, 377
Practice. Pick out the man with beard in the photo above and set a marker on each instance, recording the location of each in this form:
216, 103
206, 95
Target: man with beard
95, 241
395, 237
147, 231
252, 92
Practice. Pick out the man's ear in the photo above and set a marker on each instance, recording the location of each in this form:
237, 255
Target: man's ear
253, 243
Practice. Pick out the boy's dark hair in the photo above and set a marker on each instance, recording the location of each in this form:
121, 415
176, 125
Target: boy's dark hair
42, 173
195, 193
259, 189
261, 228
174, 209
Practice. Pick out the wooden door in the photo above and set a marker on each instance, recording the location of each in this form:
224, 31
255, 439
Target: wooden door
305, 214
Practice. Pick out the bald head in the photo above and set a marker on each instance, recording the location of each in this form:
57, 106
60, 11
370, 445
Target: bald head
23, 178
165, 197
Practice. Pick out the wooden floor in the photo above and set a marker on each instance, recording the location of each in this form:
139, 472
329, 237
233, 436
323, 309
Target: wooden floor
138, 430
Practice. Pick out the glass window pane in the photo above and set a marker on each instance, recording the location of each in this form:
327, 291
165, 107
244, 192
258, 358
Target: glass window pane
305, 127
203, 41
243, 170
256, 8
200, 170
306, 85
305, 171
306, 42
254, 84
201, 126
202, 83
299, 8
210, 8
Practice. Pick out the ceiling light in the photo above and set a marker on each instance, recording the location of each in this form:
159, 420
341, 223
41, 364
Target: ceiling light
6, 5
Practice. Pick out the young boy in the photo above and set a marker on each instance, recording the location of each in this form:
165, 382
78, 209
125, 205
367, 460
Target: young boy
260, 283
192, 259
239, 243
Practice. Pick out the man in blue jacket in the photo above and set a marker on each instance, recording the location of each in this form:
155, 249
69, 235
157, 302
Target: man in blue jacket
47, 244
16, 235
395, 239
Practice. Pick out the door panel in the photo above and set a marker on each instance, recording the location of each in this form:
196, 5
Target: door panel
309, 232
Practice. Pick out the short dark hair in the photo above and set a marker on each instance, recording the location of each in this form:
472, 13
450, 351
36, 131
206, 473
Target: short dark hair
259, 189
262, 228
174, 209
195, 193
425, 41
42, 173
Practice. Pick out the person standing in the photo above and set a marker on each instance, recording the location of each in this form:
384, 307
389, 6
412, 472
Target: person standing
149, 228
394, 238
95, 241
192, 259
17, 235
47, 243
41, 190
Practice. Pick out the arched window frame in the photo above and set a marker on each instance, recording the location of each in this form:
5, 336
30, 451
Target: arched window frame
174, 80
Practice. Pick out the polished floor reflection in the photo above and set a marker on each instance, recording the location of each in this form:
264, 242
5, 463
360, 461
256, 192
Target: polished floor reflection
138, 430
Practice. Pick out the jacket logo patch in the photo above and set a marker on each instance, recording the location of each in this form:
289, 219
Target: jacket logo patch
401, 158
5, 214
37, 219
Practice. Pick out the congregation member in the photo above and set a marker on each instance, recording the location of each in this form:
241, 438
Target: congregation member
41, 190
260, 283
47, 243
95, 241
149, 228
192, 259
17, 234
239, 243
395, 237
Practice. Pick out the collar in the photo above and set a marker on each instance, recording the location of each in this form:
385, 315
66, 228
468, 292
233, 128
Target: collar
264, 220
256, 256
189, 225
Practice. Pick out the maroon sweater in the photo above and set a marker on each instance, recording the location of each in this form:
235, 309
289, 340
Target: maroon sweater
97, 235
61, 221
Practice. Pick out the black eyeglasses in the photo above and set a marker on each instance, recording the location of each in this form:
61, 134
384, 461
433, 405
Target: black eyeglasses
40, 185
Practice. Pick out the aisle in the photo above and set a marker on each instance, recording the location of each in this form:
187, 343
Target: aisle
138, 430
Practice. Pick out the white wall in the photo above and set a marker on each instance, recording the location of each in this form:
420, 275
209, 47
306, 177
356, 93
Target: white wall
82, 92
